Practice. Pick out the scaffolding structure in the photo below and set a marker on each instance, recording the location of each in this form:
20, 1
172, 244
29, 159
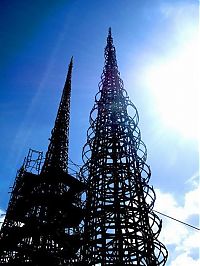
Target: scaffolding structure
41, 226
45, 215
120, 227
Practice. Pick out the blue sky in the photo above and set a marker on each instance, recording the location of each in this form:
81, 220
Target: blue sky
156, 43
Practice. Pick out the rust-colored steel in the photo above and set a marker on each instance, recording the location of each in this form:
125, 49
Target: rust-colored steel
120, 225
42, 221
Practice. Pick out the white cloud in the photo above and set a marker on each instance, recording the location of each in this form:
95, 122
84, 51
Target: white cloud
192, 201
185, 260
191, 241
181, 241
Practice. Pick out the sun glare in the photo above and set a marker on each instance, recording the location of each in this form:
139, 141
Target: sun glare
174, 85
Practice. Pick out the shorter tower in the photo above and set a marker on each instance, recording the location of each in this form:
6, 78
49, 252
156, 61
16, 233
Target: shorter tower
44, 212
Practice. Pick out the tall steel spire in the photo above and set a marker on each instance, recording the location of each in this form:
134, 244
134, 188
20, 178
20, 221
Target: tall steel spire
57, 154
120, 225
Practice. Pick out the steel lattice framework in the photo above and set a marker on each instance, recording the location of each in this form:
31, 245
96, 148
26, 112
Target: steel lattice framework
120, 225
57, 154
41, 226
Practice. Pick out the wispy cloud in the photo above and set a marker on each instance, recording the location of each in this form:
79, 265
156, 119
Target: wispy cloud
194, 179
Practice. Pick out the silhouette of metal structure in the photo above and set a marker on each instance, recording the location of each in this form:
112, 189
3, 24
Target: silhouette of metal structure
120, 225
41, 226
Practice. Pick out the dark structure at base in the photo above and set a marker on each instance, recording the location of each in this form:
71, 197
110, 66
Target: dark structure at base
41, 226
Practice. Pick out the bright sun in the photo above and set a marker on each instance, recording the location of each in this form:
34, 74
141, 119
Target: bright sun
175, 87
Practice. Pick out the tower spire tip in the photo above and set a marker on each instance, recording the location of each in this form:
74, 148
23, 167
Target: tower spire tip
109, 32
109, 38
71, 61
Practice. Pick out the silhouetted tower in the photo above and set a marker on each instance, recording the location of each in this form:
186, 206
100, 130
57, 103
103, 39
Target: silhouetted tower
57, 154
120, 225
44, 212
